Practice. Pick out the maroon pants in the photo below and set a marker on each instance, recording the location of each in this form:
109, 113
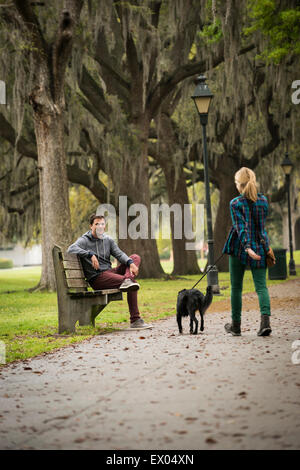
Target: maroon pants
113, 278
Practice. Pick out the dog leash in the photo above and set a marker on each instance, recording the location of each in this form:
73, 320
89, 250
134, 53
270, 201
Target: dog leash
209, 270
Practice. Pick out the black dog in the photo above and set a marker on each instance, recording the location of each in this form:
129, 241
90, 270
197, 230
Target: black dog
191, 301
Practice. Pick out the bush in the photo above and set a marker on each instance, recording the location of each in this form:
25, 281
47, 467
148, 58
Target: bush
5, 263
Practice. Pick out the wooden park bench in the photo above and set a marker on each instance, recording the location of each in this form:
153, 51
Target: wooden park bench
75, 301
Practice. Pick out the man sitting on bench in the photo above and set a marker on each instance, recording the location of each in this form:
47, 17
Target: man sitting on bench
94, 249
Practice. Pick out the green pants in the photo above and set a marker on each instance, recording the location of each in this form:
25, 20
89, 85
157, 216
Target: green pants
237, 271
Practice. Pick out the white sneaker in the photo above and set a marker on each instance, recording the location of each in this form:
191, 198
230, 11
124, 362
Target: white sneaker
139, 324
129, 285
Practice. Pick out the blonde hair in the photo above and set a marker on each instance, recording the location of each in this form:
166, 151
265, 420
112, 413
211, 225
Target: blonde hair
246, 180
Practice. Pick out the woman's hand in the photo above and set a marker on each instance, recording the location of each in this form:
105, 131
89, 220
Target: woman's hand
253, 255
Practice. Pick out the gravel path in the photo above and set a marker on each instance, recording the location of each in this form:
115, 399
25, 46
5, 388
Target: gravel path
154, 389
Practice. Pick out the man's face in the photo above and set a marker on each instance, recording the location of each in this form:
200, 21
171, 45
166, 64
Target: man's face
98, 228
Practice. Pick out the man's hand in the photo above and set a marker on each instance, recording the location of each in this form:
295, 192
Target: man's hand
95, 262
134, 269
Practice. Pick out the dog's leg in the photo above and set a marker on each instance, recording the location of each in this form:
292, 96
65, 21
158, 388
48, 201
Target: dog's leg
196, 321
191, 325
202, 321
179, 322
193, 320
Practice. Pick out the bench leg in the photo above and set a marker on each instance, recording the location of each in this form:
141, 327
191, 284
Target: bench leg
96, 309
70, 311
88, 317
81, 310
85, 316
66, 320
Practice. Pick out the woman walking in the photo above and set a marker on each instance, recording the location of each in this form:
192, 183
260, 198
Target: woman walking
247, 244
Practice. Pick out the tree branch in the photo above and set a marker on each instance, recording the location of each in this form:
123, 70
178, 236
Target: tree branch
22, 210
155, 7
169, 81
33, 27
75, 174
23, 146
25, 187
280, 193
273, 128
63, 46
78, 176
96, 104
110, 62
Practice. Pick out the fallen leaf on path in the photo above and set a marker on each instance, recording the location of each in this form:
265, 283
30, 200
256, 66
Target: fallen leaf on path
210, 440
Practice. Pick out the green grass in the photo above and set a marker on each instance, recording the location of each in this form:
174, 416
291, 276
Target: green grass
28, 321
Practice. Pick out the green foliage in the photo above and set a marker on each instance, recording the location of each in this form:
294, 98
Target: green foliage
280, 27
211, 33
5, 263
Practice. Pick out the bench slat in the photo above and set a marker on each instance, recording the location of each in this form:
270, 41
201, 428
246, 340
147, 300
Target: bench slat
106, 291
72, 265
77, 283
74, 274
96, 293
69, 257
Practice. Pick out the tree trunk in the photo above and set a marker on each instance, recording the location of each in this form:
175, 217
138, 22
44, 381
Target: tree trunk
49, 62
55, 212
135, 185
185, 261
145, 247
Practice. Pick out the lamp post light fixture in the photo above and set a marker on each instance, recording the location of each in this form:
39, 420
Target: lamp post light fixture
287, 167
202, 98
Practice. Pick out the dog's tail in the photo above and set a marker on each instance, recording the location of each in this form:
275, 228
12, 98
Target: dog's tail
208, 298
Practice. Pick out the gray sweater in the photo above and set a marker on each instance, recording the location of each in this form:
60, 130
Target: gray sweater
87, 246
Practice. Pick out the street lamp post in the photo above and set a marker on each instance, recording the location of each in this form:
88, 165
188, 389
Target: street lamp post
287, 167
202, 98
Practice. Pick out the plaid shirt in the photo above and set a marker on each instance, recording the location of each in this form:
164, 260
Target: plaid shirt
248, 230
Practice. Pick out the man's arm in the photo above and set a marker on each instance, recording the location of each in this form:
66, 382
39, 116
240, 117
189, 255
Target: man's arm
123, 258
79, 248
119, 254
